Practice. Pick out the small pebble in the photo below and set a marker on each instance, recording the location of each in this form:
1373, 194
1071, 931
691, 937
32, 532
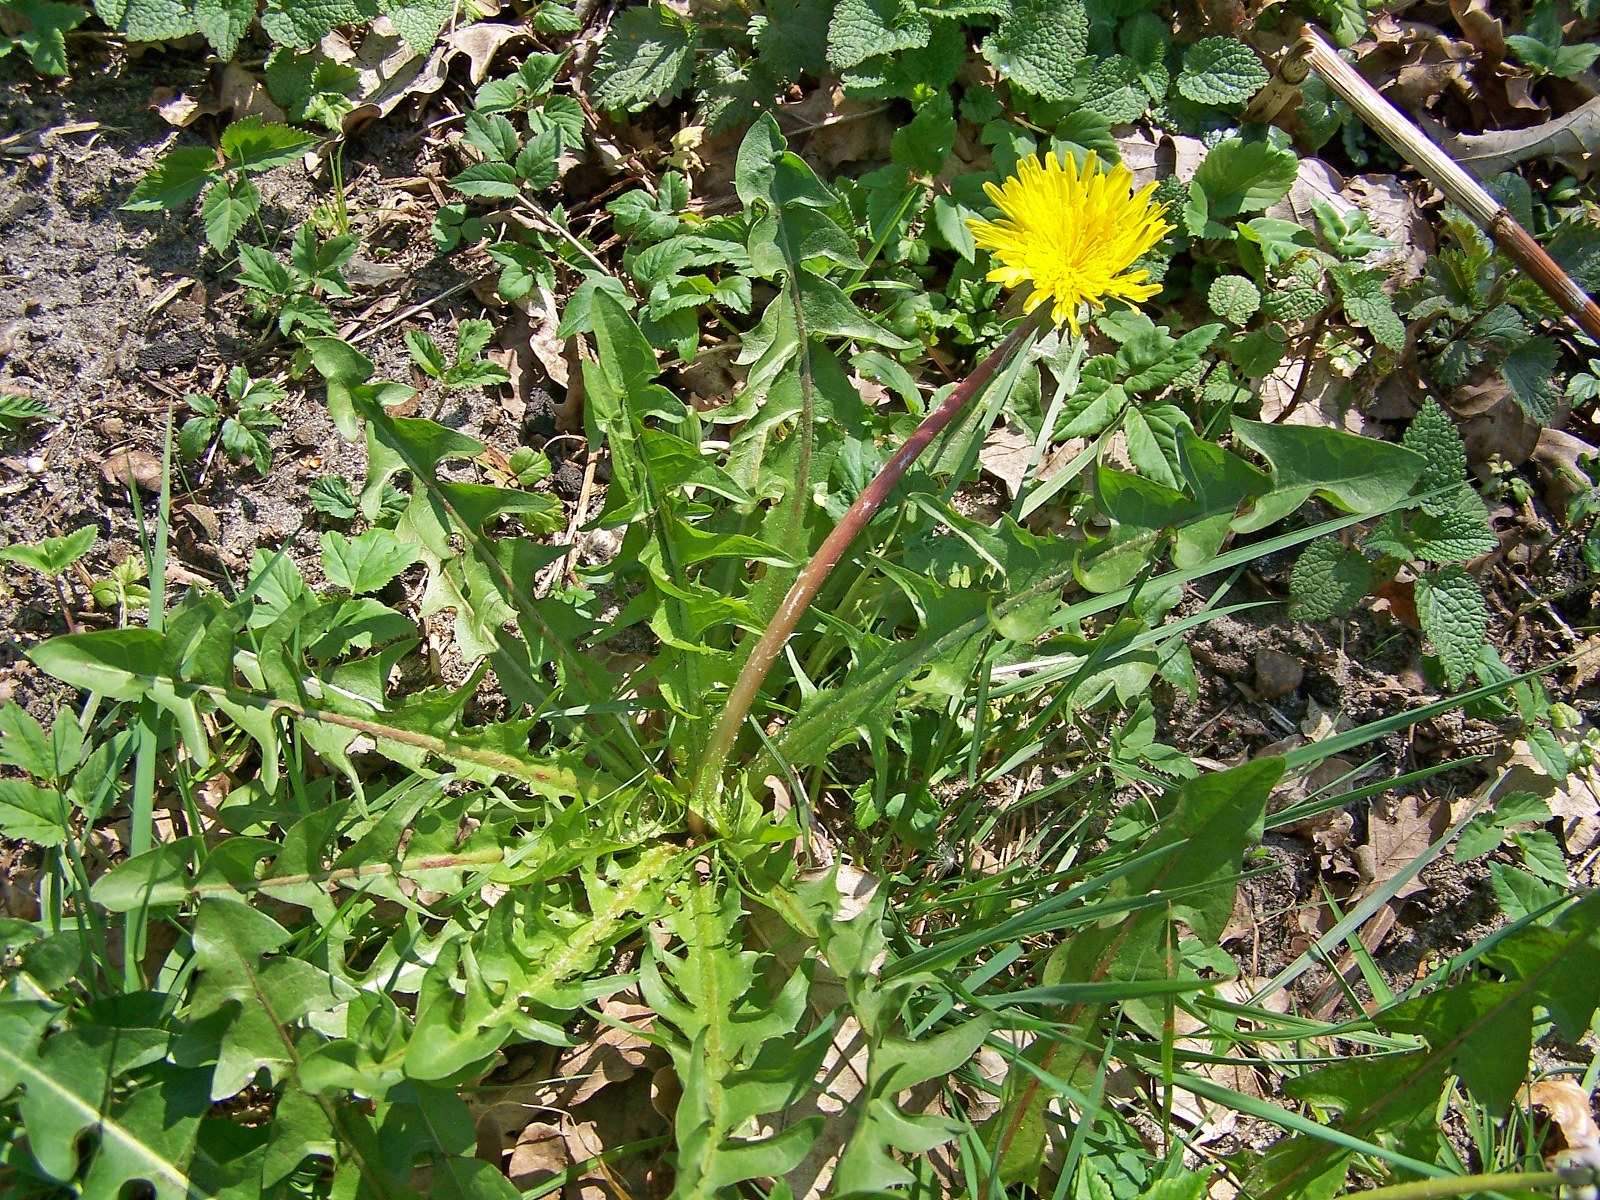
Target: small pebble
35, 465
1277, 674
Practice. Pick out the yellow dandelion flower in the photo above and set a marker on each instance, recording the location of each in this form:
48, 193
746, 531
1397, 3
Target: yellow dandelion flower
1072, 235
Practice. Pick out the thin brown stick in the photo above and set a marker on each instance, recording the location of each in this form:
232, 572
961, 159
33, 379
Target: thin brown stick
809, 581
1313, 51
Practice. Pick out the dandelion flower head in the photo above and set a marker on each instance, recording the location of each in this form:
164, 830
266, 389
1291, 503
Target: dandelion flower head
1072, 234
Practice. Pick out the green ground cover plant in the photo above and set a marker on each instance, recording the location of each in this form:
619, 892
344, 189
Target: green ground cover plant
837, 780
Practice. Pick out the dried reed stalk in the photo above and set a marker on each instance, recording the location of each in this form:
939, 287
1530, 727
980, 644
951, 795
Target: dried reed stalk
1314, 53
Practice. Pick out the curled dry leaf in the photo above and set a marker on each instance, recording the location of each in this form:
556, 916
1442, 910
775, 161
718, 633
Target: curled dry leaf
1571, 1110
391, 72
1482, 28
1556, 455
1394, 213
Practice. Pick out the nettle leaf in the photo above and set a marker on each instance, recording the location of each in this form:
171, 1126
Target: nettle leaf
227, 209
175, 180
493, 180
1456, 534
1329, 578
1114, 88
367, 563
862, 29
254, 145
1433, 435
304, 22
1221, 70
1038, 46
1233, 298
649, 53
44, 40
1529, 371
30, 813
1368, 305
1453, 615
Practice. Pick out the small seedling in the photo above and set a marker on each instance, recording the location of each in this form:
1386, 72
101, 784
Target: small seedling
468, 370
53, 557
292, 293
238, 423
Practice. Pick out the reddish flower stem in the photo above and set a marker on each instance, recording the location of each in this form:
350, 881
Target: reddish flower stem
812, 576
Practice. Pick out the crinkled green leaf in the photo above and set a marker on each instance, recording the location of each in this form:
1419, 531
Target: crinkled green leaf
1368, 305
1233, 298
1433, 435
420, 21
1038, 46
1221, 70
861, 29
1329, 578
648, 53
1453, 615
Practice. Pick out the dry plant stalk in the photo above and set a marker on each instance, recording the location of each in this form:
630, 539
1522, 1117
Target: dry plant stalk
1313, 52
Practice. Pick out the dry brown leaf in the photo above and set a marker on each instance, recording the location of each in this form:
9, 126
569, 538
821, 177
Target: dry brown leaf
390, 71
1399, 837
1323, 401
613, 1055
1492, 424
1556, 455
232, 90
1575, 803
1315, 181
1005, 455
1573, 140
538, 1157
1570, 1108
1393, 213
1207, 1119
1481, 27
830, 129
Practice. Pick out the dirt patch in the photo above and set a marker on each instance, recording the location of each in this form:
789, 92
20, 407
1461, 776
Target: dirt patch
111, 318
